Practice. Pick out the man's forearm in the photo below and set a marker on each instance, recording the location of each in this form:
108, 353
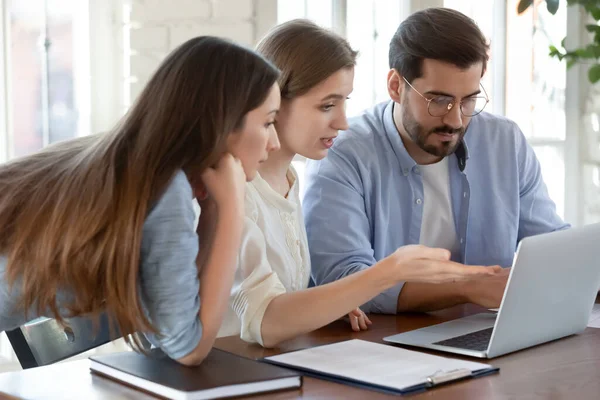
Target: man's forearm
422, 297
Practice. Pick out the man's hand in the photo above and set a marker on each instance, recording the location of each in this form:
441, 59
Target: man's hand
487, 291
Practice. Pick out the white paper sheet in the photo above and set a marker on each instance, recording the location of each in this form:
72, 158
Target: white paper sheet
375, 363
594, 321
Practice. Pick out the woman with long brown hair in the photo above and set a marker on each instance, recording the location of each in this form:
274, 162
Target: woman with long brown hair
105, 223
270, 301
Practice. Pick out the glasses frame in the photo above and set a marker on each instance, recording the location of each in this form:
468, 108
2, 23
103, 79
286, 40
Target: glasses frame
450, 105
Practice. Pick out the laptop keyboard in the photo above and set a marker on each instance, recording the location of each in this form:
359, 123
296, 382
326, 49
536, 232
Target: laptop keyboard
477, 340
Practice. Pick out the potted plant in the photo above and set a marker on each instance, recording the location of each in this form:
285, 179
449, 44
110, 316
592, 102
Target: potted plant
589, 54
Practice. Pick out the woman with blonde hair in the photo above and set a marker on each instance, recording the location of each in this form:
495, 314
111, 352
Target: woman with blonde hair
105, 223
270, 301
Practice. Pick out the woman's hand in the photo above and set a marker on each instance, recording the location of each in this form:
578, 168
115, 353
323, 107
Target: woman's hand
225, 183
416, 263
358, 320
219, 192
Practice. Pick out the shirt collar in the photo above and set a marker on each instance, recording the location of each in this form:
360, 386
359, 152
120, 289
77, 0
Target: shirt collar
287, 204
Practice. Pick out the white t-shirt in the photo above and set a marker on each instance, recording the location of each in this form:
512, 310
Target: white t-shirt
273, 256
437, 225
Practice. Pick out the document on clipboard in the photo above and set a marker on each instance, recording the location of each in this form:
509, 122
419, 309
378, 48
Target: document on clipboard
379, 366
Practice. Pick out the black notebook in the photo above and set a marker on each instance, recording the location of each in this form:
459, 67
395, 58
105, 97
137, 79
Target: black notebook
220, 375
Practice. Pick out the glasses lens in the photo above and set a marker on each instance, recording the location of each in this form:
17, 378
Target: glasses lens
473, 105
440, 106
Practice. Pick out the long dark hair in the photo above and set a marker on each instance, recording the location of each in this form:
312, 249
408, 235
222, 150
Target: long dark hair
72, 214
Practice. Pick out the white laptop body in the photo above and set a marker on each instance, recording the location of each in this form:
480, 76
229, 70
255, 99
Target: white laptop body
550, 293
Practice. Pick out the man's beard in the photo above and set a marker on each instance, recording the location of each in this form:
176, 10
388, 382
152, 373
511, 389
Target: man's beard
419, 135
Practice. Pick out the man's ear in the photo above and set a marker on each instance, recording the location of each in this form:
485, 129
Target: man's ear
395, 85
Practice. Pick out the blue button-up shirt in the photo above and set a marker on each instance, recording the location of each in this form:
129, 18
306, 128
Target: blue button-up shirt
365, 199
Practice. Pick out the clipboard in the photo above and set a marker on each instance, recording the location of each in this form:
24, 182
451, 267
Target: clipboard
317, 362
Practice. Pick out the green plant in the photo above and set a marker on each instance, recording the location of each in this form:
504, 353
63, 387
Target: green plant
589, 54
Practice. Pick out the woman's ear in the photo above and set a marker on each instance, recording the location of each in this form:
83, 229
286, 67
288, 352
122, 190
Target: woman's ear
395, 85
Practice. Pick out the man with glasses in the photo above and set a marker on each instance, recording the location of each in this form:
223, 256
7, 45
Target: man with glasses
430, 168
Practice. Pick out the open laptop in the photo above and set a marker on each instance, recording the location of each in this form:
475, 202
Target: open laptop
550, 293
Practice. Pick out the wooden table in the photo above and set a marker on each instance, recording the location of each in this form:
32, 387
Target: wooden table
566, 368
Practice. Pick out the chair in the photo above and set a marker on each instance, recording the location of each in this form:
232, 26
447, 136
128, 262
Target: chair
43, 341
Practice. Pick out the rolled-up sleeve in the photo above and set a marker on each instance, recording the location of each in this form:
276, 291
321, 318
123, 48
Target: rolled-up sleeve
169, 282
256, 282
338, 228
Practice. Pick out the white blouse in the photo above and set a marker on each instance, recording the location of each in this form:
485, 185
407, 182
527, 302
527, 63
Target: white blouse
273, 258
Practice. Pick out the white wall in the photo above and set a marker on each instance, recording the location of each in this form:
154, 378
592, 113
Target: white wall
158, 26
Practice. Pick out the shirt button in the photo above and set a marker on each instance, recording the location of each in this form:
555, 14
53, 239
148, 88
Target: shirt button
405, 172
461, 240
418, 201
465, 195
416, 170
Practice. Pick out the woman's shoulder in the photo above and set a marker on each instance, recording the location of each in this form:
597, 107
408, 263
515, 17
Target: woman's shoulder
178, 188
175, 202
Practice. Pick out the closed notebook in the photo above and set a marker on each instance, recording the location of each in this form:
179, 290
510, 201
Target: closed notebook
380, 367
220, 375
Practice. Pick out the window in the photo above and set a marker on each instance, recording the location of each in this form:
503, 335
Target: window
47, 73
532, 90
535, 90
46, 81
370, 26
318, 11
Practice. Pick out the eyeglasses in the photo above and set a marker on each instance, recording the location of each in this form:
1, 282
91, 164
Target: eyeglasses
439, 106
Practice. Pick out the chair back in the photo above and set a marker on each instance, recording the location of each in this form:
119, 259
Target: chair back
43, 341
